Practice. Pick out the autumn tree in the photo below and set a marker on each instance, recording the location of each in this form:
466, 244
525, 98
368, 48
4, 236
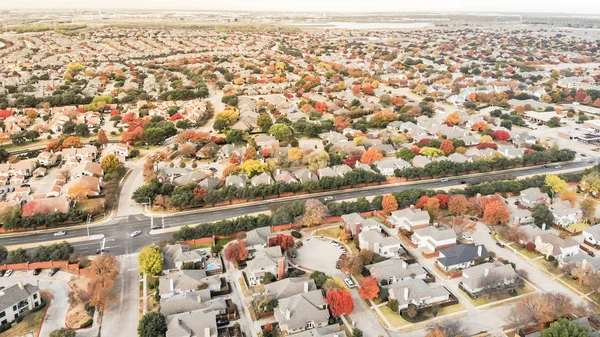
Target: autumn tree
148, 170
63, 332
340, 302
79, 192
432, 206
351, 264
295, 155
461, 225
501, 135
369, 288
102, 274
71, 141
458, 204
453, 118
281, 132
236, 251
151, 260
315, 211
556, 184
341, 122
389, 204
447, 146
370, 156
588, 208
494, 210
480, 126
317, 159
570, 196
110, 164
282, 240
101, 138
250, 154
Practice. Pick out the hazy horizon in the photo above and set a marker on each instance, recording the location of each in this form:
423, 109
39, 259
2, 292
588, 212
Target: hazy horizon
348, 6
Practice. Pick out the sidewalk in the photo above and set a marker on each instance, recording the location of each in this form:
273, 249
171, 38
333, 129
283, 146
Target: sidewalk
50, 242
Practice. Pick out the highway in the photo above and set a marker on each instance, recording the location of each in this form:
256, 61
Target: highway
117, 231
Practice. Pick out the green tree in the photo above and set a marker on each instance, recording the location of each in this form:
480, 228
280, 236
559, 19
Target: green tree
566, 328
3, 254
153, 324
32, 135
151, 260
542, 215
18, 255
234, 136
264, 122
406, 154
63, 332
319, 277
281, 131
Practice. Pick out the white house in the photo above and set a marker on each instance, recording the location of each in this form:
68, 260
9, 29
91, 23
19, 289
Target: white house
552, 245
410, 219
434, 238
564, 214
379, 243
417, 292
486, 275
18, 300
592, 234
461, 256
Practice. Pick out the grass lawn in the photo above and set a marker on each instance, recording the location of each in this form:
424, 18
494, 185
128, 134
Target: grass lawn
394, 319
524, 251
485, 300
576, 227
31, 322
332, 232
595, 297
450, 309
91, 205
547, 265
220, 243
574, 283
243, 286
201, 245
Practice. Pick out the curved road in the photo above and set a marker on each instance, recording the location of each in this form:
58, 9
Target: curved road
117, 231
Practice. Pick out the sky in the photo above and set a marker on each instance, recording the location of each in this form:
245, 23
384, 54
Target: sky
554, 6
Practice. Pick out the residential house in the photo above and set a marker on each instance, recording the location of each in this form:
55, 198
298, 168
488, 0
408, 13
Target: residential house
305, 175
420, 161
304, 311
410, 219
592, 234
92, 169
581, 260
289, 287
461, 256
378, 242
92, 182
262, 179
533, 196
195, 323
564, 214
46, 206
266, 142
393, 270
268, 260
434, 238
417, 292
284, 176
550, 244
356, 223
17, 301
520, 216
47, 158
258, 238
387, 166
186, 280
326, 331
488, 275
236, 180
191, 301
174, 256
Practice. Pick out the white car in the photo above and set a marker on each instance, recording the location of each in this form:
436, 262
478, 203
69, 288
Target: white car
334, 243
60, 233
342, 249
8, 273
467, 237
349, 283
136, 233
557, 166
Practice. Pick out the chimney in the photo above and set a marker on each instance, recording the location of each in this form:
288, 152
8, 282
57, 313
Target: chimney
21, 285
404, 264
287, 314
544, 226
171, 284
280, 268
199, 299
306, 286
479, 250
278, 171
486, 272
406, 294
206, 332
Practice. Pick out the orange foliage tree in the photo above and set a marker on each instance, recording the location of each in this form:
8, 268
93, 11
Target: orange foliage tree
389, 204
494, 210
370, 156
340, 302
369, 288
101, 275
447, 146
71, 141
79, 192
236, 251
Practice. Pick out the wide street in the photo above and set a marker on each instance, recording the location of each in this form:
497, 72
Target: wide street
117, 231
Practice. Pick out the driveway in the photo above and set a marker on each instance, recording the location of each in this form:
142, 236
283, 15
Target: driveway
319, 254
57, 311
121, 317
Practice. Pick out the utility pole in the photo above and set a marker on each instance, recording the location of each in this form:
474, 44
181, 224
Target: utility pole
87, 225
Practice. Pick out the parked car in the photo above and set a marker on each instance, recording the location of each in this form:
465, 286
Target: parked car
8, 273
337, 265
53, 271
342, 249
298, 244
474, 218
37, 271
156, 226
60, 233
222, 322
349, 283
1, 273
136, 233
334, 243
500, 244
584, 155
467, 237
294, 254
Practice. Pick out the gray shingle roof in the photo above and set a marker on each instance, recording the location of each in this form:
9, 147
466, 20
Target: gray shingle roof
461, 253
12, 295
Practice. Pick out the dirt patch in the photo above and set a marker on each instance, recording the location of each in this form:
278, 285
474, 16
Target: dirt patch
77, 314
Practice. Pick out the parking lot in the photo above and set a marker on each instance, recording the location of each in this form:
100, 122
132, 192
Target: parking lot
319, 254
43, 185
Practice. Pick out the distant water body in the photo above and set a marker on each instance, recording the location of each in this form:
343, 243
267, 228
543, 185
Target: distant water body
366, 25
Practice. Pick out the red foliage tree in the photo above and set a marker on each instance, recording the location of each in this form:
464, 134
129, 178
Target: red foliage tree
132, 136
443, 198
530, 246
423, 142
389, 203
284, 241
340, 302
580, 95
341, 122
351, 161
484, 146
422, 201
199, 192
115, 113
236, 251
501, 135
176, 117
369, 288
415, 150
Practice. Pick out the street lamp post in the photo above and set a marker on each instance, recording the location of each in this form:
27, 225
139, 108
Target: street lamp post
149, 204
87, 225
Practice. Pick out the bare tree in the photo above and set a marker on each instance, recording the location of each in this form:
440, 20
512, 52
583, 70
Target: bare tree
492, 284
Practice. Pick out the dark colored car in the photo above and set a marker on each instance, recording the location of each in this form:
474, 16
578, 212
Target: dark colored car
463, 182
53, 271
299, 244
1, 273
37, 271
500, 244
222, 322
104, 250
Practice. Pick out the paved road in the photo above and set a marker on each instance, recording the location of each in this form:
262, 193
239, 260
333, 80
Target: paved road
120, 317
117, 231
